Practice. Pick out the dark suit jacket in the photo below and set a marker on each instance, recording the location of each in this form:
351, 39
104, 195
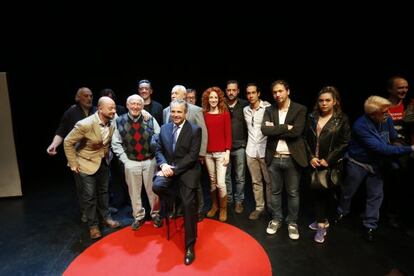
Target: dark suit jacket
185, 156
296, 116
194, 116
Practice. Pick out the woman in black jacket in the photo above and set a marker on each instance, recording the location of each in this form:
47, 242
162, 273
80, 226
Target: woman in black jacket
327, 133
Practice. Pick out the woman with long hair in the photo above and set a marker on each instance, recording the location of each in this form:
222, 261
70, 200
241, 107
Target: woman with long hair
327, 134
219, 142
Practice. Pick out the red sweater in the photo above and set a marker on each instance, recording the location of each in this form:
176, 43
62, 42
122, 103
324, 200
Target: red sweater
219, 131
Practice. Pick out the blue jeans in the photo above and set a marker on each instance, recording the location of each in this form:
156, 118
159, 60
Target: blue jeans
284, 173
354, 177
238, 165
95, 194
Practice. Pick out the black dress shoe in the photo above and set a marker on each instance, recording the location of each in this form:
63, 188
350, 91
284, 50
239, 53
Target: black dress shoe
201, 216
156, 220
369, 234
137, 224
189, 255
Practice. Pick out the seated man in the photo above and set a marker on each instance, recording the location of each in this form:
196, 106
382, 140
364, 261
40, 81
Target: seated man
177, 148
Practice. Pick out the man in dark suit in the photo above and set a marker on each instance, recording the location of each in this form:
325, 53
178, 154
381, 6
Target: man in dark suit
283, 124
177, 150
194, 116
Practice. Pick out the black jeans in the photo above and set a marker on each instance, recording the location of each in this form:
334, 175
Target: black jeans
95, 194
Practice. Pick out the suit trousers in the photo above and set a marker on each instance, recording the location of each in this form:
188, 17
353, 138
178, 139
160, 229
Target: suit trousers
165, 188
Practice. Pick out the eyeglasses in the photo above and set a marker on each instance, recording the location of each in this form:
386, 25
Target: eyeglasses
252, 120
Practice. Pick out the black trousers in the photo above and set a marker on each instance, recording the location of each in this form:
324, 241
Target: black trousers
165, 188
95, 194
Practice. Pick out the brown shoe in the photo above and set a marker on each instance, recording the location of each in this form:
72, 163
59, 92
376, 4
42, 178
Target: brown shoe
111, 223
255, 215
238, 208
94, 232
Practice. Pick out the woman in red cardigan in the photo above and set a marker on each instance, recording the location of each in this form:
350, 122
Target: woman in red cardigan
218, 124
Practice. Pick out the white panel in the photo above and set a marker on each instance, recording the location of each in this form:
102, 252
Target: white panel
10, 184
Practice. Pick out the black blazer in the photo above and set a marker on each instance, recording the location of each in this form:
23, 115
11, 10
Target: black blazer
296, 117
185, 156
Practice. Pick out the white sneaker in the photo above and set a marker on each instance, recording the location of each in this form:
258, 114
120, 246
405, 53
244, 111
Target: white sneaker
272, 227
293, 231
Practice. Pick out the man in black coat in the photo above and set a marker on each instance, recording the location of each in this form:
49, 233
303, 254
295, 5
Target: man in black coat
177, 150
283, 124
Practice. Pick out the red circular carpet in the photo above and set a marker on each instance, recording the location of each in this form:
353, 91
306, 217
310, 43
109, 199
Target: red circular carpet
221, 249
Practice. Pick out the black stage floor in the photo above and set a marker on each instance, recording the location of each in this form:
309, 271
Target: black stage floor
41, 234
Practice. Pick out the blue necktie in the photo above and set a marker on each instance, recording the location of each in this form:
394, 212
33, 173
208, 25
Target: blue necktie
174, 136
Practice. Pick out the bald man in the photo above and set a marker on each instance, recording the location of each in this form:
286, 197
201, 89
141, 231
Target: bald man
194, 115
82, 109
87, 150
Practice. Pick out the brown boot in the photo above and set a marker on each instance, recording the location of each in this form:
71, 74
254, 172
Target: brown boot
223, 208
214, 205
